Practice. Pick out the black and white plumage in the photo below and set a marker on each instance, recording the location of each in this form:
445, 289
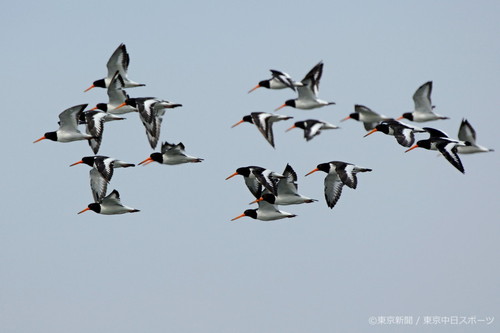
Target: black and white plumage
110, 205
101, 173
151, 111
424, 110
94, 126
312, 127
68, 126
339, 174
256, 178
171, 154
279, 80
367, 116
403, 133
118, 62
287, 191
264, 122
467, 133
308, 92
116, 97
265, 212
440, 141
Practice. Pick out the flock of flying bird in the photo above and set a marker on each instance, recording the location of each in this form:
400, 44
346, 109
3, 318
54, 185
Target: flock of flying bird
151, 111
269, 188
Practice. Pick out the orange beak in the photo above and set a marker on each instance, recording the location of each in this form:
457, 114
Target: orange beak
86, 209
147, 161
76, 163
94, 108
400, 118
280, 107
291, 128
234, 174
415, 146
371, 132
346, 118
237, 217
239, 122
257, 86
257, 200
121, 105
42, 138
92, 86
312, 171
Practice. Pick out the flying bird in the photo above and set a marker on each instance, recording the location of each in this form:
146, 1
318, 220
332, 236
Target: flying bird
94, 121
171, 154
151, 111
367, 116
287, 191
308, 92
264, 122
116, 97
279, 80
440, 141
403, 133
423, 106
265, 212
101, 173
110, 205
339, 174
68, 126
312, 127
118, 62
467, 133
257, 177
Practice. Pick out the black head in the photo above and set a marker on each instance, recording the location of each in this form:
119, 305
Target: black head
95, 207
51, 136
301, 124
251, 213
131, 101
102, 107
290, 102
271, 198
426, 144
248, 119
100, 83
383, 127
244, 171
325, 167
408, 116
89, 160
157, 157
265, 84
354, 116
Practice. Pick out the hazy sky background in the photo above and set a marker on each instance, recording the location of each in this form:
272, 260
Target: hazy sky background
416, 238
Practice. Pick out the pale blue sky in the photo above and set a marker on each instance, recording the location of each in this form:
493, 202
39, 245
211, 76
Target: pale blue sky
416, 238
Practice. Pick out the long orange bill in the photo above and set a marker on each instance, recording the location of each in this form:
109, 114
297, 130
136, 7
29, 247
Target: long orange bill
282, 106
291, 128
121, 105
147, 161
371, 132
92, 86
312, 171
234, 174
415, 146
346, 118
237, 217
257, 86
86, 209
256, 200
94, 108
76, 163
42, 138
239, 122
400, 118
